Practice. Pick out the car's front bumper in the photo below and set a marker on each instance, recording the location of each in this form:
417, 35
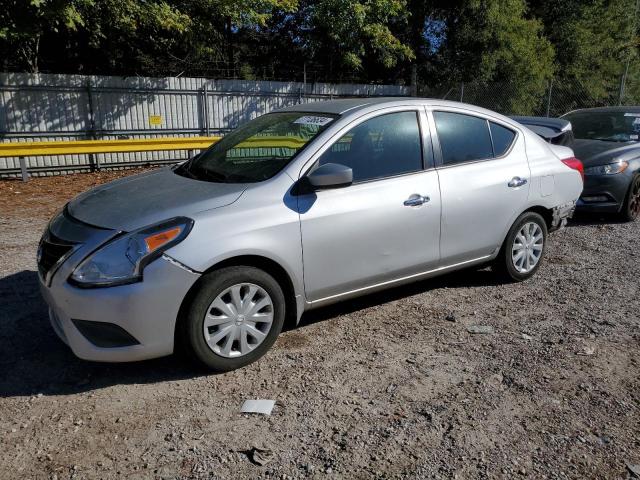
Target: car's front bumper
604, 193
146, 310
110, 324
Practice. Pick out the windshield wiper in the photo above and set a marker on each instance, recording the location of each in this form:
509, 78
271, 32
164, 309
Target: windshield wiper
205, 173
185, 170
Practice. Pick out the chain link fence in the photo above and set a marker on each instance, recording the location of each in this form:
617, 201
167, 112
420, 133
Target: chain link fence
552, 99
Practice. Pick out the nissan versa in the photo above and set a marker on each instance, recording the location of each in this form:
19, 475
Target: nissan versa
300, 208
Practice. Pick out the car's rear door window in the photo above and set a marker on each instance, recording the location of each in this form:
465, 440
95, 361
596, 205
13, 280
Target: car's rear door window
382, 146
463, 138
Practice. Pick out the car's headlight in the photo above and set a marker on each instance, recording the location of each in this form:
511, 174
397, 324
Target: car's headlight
609, 169
123, 259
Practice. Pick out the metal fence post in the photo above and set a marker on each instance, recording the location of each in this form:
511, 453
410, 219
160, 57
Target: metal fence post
205, 110
549, 98
94, 162
623, 81
304, 78
414, 80
461, 91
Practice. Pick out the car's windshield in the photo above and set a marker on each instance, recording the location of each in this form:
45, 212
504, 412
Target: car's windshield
257, 150
613, 126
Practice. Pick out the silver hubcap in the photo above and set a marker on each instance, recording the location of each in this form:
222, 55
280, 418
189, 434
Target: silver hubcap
527, 247
238, 320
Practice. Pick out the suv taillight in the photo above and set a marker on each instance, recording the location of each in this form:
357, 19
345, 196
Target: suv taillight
576, 164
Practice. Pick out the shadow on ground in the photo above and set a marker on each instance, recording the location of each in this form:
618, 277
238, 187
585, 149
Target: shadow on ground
461, 279
587, 219
33, 360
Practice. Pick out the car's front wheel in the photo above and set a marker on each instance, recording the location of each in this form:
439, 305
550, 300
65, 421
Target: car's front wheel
631, 206
234, 317
523, 250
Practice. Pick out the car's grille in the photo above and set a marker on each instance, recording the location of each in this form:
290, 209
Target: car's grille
50, 251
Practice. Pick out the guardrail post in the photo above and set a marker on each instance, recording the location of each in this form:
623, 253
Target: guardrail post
23, 169
93, 160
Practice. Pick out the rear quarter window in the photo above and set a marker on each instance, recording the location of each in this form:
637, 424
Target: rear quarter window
502, 138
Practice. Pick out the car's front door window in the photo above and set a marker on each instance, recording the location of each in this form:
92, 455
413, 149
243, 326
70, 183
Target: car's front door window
382, 146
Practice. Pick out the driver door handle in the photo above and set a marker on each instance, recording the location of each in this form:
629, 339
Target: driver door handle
517, 182
416, 200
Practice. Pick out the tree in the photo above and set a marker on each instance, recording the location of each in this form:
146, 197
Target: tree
349, 34
593, 40
494, 41
24, 22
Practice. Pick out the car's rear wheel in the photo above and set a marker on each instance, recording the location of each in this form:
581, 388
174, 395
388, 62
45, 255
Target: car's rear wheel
523, 250
631, 206
234, 317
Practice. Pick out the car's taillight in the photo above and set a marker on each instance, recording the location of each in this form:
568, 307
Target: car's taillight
576, 164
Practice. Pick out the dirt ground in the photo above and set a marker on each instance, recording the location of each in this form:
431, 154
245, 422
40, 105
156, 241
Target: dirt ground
392, 385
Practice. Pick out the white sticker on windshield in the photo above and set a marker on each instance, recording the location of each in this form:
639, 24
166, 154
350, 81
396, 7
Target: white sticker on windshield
313, 120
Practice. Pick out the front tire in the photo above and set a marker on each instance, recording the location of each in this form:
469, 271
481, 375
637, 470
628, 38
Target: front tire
523, 250
631, 207
234, 318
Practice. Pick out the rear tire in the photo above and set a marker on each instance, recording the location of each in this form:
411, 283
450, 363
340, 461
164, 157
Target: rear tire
523, 250
233, 318
631, 206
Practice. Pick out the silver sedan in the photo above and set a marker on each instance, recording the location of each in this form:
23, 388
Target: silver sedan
300, 208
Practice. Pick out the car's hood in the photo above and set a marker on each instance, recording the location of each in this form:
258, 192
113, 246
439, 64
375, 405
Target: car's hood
140, 200
598, 152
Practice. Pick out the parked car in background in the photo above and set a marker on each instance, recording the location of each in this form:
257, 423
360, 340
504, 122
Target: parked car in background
607, 142
300, 208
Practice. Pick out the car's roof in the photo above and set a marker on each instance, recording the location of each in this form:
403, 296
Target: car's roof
338, 107
350, 105
621, 108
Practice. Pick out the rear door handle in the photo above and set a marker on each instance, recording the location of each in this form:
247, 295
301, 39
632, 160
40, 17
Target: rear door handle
517, 182
416, 200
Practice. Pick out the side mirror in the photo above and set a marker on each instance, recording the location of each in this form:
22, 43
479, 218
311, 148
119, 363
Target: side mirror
330, 175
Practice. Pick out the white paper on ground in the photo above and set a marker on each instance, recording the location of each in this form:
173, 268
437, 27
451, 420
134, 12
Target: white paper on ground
258, 406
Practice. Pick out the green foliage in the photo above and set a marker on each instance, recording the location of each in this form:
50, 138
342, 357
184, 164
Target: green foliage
593, 39
23, 23
353, 29
493, 41
521, 44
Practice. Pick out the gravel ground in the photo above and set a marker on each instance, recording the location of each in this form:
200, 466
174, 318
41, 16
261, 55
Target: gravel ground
392, 385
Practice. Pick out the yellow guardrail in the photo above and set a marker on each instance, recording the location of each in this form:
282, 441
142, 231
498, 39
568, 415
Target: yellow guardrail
79, 147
